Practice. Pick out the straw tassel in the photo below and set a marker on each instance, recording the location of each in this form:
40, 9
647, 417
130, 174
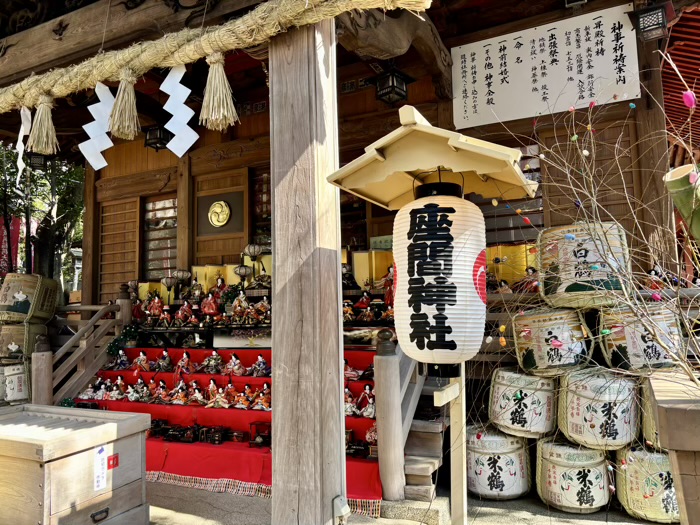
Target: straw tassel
124, 120
42, 138
218, 111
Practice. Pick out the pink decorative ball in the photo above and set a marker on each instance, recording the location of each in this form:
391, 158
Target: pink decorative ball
693, 177
689, 99
656, 297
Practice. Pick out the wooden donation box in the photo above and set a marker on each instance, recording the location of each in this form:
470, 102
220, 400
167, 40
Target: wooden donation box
71, 466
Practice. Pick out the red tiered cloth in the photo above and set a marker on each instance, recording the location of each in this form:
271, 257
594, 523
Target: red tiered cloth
236, 467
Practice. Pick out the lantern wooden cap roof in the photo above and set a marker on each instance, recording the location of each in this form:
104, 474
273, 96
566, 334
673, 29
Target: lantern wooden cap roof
389, 170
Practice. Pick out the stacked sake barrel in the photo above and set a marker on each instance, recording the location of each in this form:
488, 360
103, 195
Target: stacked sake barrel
582, 415
27, 303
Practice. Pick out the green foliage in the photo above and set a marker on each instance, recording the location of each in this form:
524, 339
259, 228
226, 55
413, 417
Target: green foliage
230, 293
129, 333
68, 402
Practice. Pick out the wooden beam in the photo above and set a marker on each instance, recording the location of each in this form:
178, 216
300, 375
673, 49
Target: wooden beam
142, 184
185, 215
373, 34
39, 49
308, 464
444, 395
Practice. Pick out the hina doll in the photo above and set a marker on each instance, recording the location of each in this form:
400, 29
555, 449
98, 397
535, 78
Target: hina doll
183, 365
132, 394
210, 306
248, 391
350, 409
240, 302
164, 363
218, 400
165, 319
388, 314
251, 317
212, 389
162, 394
230, 392
259, 368
119, 384
193, 386
263, 309
212, 364
141, 364
364, 301
348, 312
120, 362
174, 391
370, 409
102, 393
218, 288
138, 314
180, 398
365, 316
196, 290
241, 401
350, 373
196, 398
152, 387
183, 314
88, 393
234, 366
365, 396
266, 389
388, 283
141, 386
155, 307
261, 402
115, 395
530, 284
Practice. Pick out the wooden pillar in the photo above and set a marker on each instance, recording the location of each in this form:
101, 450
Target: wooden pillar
42, 372
308, 460
90, 241
458, 452
185, 206
124, 314
656, 216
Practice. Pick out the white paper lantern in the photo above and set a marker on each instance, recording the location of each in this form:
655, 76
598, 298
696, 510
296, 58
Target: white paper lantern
440, 279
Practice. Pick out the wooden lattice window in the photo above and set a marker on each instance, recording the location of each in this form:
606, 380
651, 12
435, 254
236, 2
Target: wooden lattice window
159, 237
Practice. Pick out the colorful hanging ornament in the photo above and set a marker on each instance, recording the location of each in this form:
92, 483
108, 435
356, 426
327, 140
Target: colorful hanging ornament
502, 341
124, 120
655, 297
533, 250
97, 129
494, 202
527, 221
569, 236
586, 153
574, 138
489, 340
502, 328
218, 110
42, 137
693, 177
592, 104
572, 109
184, 136
633, 105
577, 203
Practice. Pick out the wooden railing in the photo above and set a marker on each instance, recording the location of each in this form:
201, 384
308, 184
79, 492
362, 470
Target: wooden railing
398, 383
62, 374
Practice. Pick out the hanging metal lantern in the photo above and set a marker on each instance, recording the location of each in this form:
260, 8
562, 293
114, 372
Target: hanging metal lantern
392, 85
440, 276
37, 161
157, 137
651, 22
253, 251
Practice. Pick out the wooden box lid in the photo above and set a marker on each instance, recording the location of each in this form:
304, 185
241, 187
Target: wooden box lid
44, 433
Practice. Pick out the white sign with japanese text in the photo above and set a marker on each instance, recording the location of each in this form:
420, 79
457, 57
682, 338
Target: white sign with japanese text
546, 70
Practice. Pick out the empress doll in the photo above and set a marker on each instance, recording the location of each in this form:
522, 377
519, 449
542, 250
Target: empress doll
141, 364
365, 396
234, 366
184, 365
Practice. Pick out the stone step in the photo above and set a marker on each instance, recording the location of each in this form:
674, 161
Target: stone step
420, 492
413, 479
420, 465
436, 426
424, 444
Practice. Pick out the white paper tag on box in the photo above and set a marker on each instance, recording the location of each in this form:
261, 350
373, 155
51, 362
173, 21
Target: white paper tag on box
100, 468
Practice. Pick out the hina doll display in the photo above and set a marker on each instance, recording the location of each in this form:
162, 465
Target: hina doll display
212, 389
350, 373
240, 302
365, 396
530, 283
141, 363
196, 398
261, 402
259, 368
180, 398
152, 387
366, 316
388, 314
102, 393
165, 319
370, 409
162, 394
234, 366
164, 363
364, 301
183, 314
264, 310
212, 364
184, 365
210, 305
218, 400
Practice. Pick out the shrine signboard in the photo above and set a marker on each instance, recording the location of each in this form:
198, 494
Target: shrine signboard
547, 69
